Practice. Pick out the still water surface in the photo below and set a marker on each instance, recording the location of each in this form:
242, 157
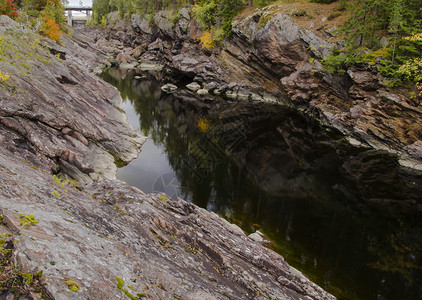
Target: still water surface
281, 179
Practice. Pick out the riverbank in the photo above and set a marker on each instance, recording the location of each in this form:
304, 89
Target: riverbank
270, 58
92, 236
269, 167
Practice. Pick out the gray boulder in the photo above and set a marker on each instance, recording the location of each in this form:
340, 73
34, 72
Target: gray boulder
140, 24
169, 88
194, 86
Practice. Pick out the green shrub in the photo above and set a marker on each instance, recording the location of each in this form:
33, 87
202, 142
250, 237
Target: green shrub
323, 1
205, 15
338, 62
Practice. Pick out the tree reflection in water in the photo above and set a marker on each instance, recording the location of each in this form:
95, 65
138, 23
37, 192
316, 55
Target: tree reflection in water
346, 217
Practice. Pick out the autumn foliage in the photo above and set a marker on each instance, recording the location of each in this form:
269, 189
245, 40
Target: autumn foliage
206, 40
8, 7
51, 29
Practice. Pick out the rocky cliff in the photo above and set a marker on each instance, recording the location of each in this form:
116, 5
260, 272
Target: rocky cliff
92, 236
270, 58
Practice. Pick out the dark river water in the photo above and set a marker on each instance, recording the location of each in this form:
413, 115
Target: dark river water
347, 218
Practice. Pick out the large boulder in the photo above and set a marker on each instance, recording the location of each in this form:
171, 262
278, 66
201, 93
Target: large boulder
193, 86
169, 88
141, 24
279, 42
165, 22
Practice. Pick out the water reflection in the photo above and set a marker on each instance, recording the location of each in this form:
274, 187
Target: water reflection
339, 214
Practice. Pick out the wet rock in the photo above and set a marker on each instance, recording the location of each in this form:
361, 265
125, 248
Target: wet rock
231, 95
211, 86
128, 66
257, 237
194, 86
243, 94
232, 85
207, 66
411, 157
202, 92
151, 66
169, 88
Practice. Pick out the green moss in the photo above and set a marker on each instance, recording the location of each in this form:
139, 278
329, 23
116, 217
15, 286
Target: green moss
119, 162
120, 283
34, 166
175, 17
3, 250
72, 285
56, 194
120, 286
27, 220
264, 19
192, 249
28, 278
17, 283
378, 54
20, 49
116, 207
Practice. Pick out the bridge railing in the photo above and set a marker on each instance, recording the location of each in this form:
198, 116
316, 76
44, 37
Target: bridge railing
70, 18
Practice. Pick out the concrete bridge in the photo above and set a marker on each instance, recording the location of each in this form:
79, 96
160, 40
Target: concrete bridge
78, 20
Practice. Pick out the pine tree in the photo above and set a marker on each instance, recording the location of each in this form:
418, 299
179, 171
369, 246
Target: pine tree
396, 23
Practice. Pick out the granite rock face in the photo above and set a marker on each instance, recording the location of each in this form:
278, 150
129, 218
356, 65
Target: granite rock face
66, 116
61, 131
160, 247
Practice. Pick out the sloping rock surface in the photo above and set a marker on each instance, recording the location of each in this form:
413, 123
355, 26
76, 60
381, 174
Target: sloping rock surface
108, 239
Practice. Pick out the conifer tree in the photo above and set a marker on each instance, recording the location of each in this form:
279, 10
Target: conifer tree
396, 23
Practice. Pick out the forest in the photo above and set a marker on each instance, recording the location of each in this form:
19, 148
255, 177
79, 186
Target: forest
45, 16
387, 31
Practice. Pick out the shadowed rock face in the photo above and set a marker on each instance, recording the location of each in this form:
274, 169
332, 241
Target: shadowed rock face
56, 117
285, 152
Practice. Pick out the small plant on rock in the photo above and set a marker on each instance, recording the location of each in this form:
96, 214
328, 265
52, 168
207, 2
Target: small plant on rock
4, 76
27, 220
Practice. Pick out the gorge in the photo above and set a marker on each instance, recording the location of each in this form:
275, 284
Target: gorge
325, 165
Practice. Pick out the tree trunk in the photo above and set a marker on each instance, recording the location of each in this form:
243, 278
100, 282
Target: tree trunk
394, 50
250, 3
